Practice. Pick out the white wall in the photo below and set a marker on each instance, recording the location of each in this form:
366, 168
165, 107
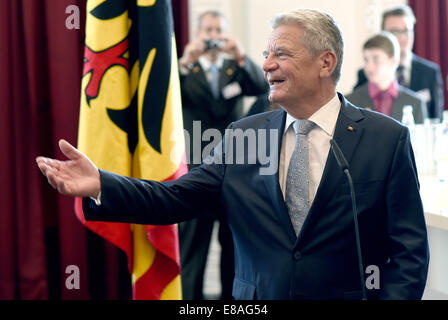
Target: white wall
249, 21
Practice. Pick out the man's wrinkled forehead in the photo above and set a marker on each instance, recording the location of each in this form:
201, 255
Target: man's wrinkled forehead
283, 36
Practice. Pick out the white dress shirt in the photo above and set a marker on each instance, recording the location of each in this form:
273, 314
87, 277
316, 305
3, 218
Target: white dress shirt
407, 65
206, 65
318, 141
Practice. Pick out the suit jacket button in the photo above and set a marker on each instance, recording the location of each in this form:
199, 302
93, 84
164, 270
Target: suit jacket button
297, 255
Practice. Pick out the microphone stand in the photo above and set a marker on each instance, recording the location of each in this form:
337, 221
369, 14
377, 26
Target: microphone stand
343, 164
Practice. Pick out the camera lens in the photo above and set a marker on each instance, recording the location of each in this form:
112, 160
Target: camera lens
211, 44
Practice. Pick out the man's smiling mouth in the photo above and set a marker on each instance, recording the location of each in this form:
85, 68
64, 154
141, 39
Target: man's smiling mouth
274, 82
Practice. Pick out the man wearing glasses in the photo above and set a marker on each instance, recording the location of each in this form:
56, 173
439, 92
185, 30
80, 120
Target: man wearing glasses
418, 74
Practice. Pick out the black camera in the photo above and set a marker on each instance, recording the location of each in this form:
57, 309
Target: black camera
213, 44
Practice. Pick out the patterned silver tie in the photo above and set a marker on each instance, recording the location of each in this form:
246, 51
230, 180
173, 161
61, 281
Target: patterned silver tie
297, 179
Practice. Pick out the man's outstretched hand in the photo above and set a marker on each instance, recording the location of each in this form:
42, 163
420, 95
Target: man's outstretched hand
77, 176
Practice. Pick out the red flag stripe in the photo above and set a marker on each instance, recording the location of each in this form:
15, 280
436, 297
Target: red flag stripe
151, 285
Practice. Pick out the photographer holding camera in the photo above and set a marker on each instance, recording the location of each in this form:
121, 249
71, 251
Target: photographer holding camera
210, 42
215, 75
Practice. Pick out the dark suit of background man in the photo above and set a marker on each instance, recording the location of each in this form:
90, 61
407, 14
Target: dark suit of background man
236, 76
290, 243
418, 74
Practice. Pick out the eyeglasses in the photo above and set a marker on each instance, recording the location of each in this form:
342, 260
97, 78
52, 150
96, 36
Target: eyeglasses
404, 32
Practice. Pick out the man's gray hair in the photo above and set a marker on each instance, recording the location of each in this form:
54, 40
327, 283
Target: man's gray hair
320, 33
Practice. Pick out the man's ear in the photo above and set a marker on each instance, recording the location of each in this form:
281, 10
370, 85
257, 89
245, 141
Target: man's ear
328, 62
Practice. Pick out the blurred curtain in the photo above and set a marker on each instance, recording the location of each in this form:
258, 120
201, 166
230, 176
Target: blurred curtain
39, 103
39, 93
180, 16
431, 31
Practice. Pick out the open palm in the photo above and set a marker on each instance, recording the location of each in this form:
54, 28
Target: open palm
77, 176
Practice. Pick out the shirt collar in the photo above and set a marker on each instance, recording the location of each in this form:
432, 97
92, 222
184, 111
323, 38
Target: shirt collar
206, 64
325, 118
392, 90
407, 62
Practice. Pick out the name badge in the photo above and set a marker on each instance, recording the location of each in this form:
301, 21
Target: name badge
231, 90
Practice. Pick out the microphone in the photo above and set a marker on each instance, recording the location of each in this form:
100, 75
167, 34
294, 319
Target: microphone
343, 164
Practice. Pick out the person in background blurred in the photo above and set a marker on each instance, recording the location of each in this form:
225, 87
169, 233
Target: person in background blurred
418, 74
382, 92
215, 75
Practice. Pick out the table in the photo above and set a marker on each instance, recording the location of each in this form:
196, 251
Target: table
434, 195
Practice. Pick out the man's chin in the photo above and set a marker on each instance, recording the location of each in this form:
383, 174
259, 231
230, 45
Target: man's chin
273, 97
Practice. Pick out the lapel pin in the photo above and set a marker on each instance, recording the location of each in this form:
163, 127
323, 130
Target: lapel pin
369, 108
350, 128
229, 72
196, 69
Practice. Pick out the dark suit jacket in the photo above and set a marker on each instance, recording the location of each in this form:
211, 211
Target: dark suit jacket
198, 102
360, 97
321, 263
424, 75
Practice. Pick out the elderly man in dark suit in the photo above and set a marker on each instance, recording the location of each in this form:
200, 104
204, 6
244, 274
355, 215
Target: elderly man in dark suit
414, 72
293, 227
382, 92
215, 75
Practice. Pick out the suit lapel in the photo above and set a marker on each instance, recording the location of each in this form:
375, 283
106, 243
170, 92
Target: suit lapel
271, 181
225, 72
333, 177
365, 96
198, 73
397, 107
415, 73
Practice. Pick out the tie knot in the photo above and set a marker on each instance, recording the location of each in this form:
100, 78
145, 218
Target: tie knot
213, 68
303, 126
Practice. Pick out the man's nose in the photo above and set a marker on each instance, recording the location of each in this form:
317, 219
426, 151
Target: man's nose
269, 64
